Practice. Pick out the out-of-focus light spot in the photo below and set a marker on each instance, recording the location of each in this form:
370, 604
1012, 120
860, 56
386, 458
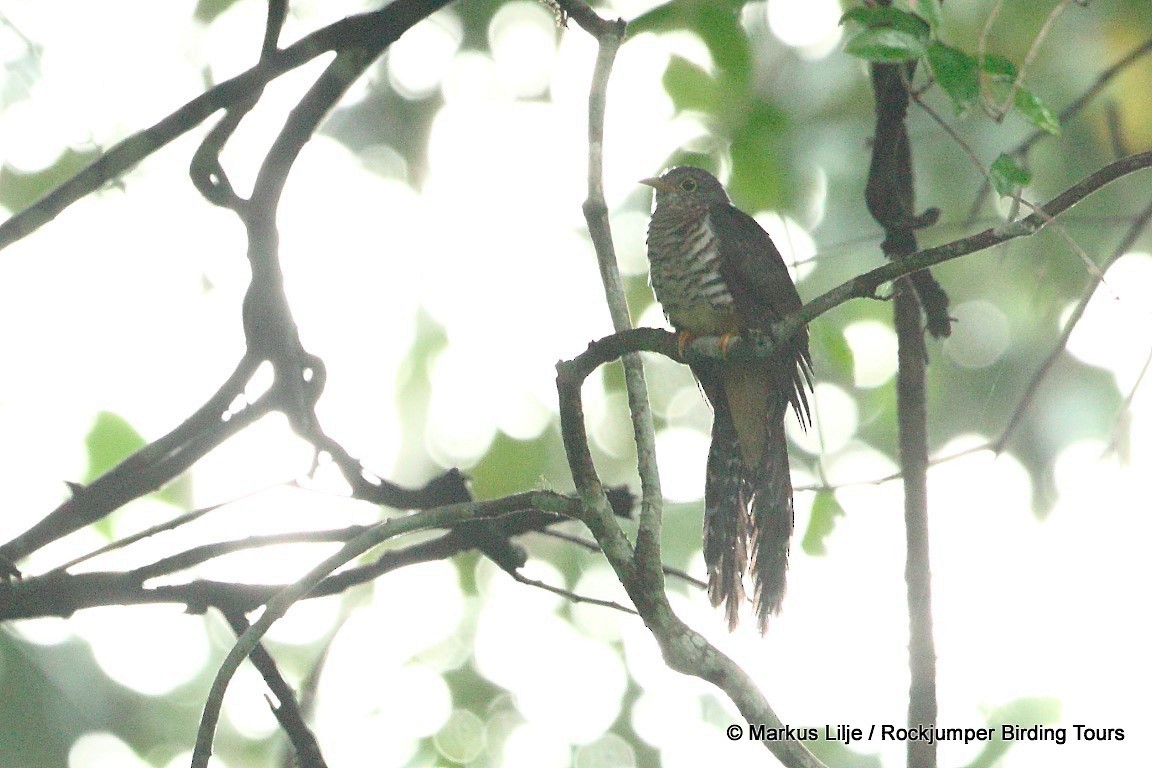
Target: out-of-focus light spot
103, 750
657, 718
151, 649
857, 463
461, 413
835, 418
373, 698
1116, 327
184, 759
630, 229
873, 346
592, 676
306, 621
815, 196
385, 161
523, 417
813, 26
793, 241
462, 738
609, 423
422, 56
644, 134
48, 630
595, 621
225, 44
470, 79
522, 36
673, 391
381, 712
682, 454
30, 142
246, 705
980, 334
531, 746
609, 751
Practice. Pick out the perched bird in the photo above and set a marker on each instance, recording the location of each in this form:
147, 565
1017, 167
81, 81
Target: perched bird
715, 272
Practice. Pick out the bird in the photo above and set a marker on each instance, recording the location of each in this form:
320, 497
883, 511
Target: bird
716, 272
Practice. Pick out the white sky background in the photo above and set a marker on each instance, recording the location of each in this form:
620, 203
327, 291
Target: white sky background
1022, 607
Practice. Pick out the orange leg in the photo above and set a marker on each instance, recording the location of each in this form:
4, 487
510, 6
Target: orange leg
725, 342
684, 340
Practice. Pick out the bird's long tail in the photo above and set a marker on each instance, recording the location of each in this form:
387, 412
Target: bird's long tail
771, 518
726, 498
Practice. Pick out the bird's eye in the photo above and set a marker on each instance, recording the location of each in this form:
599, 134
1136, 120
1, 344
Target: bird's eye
688, 185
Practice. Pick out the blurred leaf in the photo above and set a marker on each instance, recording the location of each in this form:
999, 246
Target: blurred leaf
836, 358
19, 190
207, 10
717, 24
674, 15
956, 72
1023, 712
825, 510
689, 86
759, 178
720, 28
1037, 111
888, 18
110, 441
930, 11
509, 466
1007, 176
999, 67
885, 45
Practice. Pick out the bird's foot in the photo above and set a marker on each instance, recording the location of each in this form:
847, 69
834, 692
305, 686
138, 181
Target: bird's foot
726, 342
684, 340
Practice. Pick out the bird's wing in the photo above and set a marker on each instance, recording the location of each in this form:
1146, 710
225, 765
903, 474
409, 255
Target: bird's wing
756, 276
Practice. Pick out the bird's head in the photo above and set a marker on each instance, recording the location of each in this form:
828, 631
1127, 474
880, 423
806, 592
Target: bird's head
686, 188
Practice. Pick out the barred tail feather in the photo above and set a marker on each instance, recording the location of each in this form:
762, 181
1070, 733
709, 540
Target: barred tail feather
771, 519
726, 497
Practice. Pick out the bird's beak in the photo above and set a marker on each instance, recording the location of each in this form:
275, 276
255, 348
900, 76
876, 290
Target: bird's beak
657, 183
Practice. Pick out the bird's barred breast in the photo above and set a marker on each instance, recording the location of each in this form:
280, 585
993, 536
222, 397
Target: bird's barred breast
686, 277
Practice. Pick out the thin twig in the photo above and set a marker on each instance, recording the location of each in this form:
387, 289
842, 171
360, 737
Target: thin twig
999, 111
1131, 236
286, 710
1074, 108
442, 517
592, 546
569, 595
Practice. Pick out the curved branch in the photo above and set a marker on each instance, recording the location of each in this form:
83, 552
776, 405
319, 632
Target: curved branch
368, 31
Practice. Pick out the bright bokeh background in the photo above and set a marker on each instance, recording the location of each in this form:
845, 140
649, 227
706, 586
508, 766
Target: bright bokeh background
436, 259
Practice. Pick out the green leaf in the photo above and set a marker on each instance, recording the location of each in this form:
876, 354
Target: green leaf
759, 177
930, 11
689, 85
889, 18
110, 441
720, 29
955, 72
999, 67
825, 510
1036, 111
677, 14
886, 45
1024, 712
1008, 176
